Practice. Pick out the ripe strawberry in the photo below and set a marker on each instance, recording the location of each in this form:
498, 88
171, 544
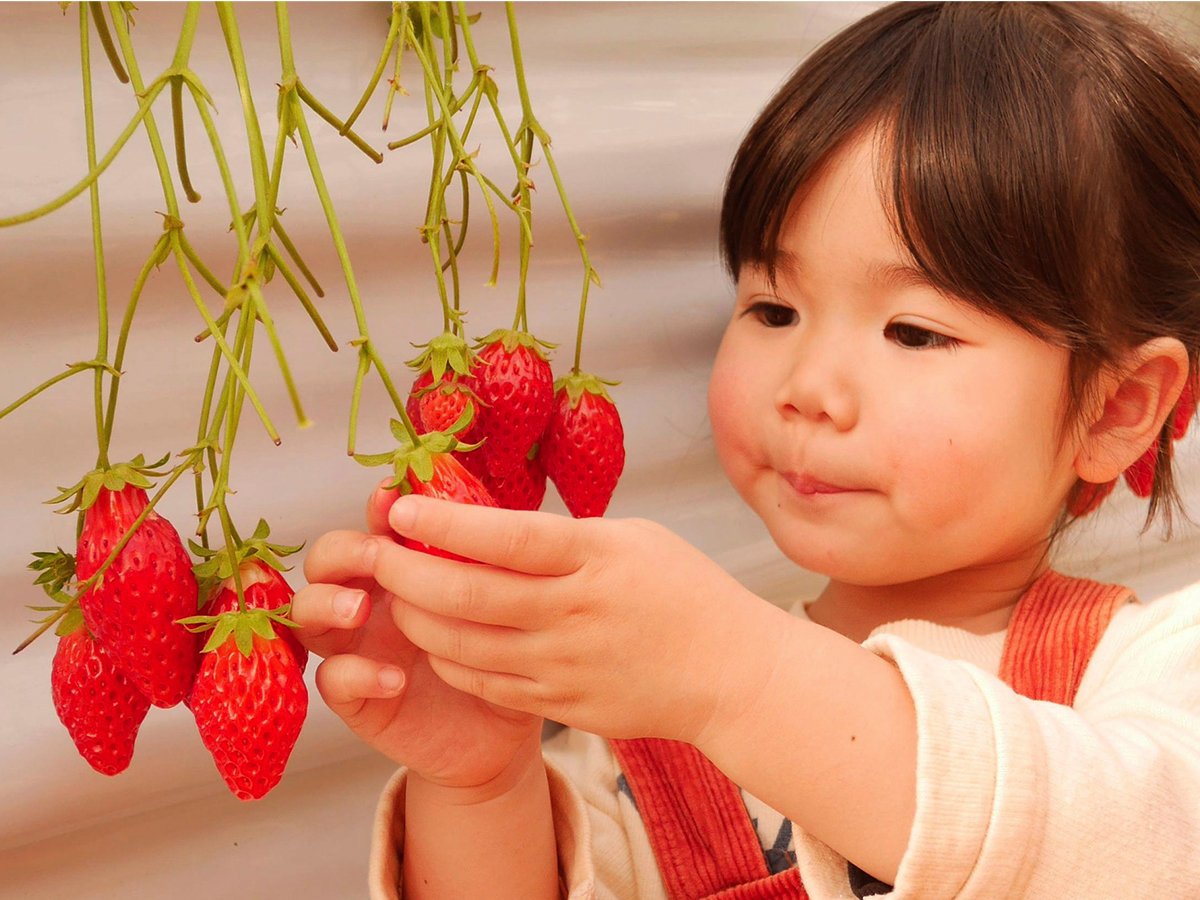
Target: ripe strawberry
449, 481
263, 588
514, 381
133, 609
96, 701
441, 406
522, 488
250, 702
584, 445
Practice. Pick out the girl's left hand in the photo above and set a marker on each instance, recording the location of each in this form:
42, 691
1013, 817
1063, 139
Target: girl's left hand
614, 626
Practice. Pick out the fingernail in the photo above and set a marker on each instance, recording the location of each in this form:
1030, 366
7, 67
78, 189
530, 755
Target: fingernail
402, 515
391, 680
347, 603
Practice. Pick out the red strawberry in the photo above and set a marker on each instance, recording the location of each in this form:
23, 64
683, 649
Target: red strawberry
249, 703
441, 407
514, 381
413, 405
524, 487
134, 607
263, 588
96, 701
449, 481
1089, 496
1140, 476
584, 445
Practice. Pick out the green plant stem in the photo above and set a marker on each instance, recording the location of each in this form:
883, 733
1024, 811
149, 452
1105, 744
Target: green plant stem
531, 124
97, 234
201, 269
74, 369
302, 296
180, 140
428, 129
298, 259
258, 156
394, 81
153, 260
106, 40
123, 138
310, 153
388, 46
337, 123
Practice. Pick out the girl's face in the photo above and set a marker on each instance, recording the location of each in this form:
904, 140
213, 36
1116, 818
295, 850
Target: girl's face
883, 431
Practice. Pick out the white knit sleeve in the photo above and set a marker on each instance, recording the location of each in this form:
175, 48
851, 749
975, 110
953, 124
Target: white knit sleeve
1026, 799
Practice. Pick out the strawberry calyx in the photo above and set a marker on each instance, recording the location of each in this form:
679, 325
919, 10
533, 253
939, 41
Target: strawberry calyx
512, 339
416, 460
83, 493
241, 626
446, 351
217, 565
57, 571
578, 383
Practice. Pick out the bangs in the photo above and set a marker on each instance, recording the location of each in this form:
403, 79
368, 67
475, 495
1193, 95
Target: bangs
979, 120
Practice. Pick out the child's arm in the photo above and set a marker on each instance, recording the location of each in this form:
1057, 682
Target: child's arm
495, 842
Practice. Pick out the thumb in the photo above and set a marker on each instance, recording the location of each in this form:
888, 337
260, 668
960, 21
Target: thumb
377, 509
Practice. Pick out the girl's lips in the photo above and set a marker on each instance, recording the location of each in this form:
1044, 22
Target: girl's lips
808, 485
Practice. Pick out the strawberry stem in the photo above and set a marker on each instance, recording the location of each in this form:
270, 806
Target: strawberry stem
532, 128
389, 44
89, 119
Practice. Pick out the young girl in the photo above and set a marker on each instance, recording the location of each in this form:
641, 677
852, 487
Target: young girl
966, 241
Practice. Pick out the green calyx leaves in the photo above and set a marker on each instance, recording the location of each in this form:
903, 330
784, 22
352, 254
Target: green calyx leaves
56, 570
446, 351
83, 494
417, 460
242, 626
577, 383
514, 339
218, 564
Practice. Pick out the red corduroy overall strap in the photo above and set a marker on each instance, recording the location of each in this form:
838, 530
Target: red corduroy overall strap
702, 836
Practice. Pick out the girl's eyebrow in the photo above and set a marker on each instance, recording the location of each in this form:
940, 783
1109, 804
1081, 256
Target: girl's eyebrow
897, 275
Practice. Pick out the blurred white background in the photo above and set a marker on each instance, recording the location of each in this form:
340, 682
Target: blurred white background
646, 103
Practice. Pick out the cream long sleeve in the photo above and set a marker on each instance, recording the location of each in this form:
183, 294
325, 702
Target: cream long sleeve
1015, 798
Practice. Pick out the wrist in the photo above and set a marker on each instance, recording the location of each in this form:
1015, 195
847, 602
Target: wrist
524, 768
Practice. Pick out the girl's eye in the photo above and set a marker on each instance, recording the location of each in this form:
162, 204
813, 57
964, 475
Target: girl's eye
914, 337
773, 315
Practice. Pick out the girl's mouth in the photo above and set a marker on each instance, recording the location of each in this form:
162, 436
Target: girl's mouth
809, 485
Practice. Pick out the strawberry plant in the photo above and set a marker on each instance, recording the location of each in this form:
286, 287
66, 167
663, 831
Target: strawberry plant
481, 423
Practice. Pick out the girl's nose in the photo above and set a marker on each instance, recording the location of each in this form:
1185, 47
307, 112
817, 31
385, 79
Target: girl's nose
820, 385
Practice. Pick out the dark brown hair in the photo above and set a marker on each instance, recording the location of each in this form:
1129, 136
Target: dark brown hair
1044, 162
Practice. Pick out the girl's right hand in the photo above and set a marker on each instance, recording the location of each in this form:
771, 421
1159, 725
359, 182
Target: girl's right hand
447, 737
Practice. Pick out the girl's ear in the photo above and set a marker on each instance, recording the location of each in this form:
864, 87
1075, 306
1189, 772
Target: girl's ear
1133, 401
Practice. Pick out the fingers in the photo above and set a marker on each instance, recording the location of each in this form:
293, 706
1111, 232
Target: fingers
339, 556
510, 691
328, 616
459, 590
378, 505
533, 542
488, 647
347, 683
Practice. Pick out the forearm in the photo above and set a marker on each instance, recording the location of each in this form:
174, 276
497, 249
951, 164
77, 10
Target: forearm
495, 842
826, 734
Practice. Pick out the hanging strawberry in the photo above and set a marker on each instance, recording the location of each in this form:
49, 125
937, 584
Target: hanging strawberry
132, 609
584, 444
96, 701
429, 468
522, 488
263, 585
249, 700
514, 381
